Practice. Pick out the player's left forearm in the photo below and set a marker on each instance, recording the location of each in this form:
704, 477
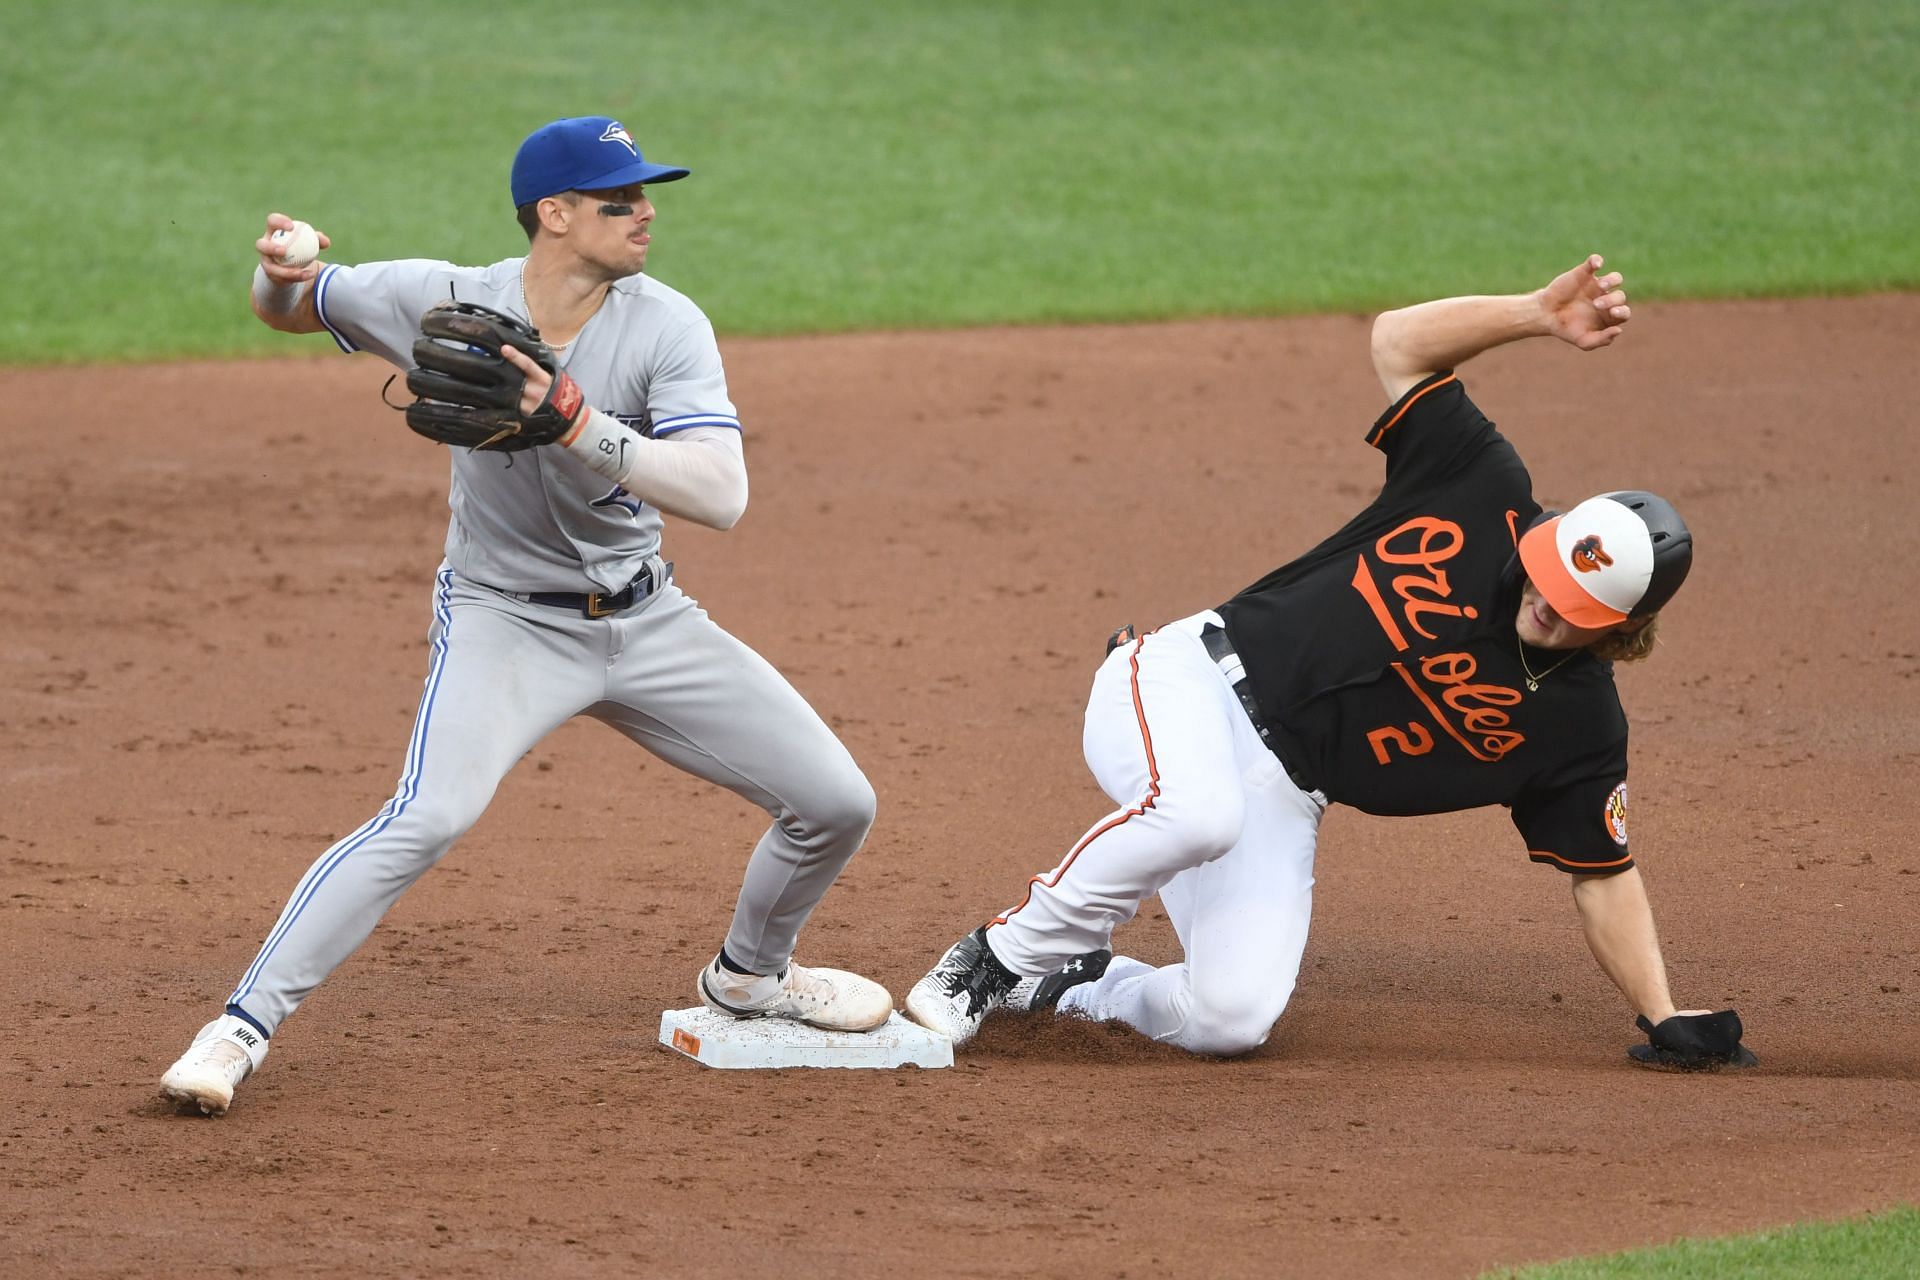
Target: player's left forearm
699, 474
1618, 921
1415, 342
698, 480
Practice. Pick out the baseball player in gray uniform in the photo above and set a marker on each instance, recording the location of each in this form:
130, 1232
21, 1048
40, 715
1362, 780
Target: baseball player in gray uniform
553, 601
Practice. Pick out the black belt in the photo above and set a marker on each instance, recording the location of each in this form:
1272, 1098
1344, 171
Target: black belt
1220, 649
599, 604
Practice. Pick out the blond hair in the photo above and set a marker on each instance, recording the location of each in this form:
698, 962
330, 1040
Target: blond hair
1627, 646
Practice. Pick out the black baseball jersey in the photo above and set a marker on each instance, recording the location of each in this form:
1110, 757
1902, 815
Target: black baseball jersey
1386, 664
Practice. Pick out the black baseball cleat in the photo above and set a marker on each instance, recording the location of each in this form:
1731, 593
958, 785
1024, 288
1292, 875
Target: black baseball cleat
958, 993
1038, 995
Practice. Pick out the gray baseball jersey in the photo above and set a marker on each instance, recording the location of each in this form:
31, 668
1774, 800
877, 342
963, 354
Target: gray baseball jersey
504, 670
541, 520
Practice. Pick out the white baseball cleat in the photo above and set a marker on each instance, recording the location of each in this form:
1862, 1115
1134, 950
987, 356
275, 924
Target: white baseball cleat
957, 995
831, 999
226, 1051
970, 984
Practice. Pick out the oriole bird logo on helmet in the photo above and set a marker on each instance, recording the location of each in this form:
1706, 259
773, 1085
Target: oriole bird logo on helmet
1588, 555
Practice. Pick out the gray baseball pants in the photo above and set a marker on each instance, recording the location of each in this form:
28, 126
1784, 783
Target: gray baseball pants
503, 675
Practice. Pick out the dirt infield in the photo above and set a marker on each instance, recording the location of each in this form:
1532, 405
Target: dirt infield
217, 581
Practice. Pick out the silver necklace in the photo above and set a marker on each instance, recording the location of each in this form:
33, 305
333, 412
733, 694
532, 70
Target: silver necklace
565, 349
1533, 681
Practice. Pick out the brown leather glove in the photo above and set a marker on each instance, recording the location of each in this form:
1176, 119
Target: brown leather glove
469, 393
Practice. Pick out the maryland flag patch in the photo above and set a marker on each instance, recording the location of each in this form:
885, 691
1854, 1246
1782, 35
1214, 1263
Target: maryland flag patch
1616, 815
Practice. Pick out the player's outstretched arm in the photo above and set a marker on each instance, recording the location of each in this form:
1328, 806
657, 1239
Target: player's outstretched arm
282, 292
1619, 927
1618, 921
1582, 307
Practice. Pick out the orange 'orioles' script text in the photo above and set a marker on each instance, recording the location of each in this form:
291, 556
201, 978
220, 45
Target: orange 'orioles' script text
1423, 544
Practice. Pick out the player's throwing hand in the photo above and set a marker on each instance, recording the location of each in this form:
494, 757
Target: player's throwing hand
271, 250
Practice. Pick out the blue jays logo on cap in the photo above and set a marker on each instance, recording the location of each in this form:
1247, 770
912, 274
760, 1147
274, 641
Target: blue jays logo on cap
617, 132
582, 153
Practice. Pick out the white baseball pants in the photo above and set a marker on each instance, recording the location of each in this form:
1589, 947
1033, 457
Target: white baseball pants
1210, 821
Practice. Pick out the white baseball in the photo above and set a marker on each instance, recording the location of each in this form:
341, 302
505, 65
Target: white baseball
299, 245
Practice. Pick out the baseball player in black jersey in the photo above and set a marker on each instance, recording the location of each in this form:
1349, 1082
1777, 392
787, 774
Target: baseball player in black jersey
1452, 646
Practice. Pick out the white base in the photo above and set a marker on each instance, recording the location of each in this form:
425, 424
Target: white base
715, 1040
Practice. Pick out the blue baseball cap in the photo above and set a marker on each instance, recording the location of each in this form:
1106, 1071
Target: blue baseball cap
581, 153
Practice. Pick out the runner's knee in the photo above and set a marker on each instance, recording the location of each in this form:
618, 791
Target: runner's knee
1228, 1024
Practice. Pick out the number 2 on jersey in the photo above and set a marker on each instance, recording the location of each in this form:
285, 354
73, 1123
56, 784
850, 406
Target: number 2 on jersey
1414, 740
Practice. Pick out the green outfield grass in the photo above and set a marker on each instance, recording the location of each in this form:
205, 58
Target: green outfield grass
1882, 1247
938, 164
935, 163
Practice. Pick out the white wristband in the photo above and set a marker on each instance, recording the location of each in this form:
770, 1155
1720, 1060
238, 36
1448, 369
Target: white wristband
606, 444
273, 298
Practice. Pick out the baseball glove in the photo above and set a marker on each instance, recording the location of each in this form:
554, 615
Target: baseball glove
1693, 1042
469, 395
